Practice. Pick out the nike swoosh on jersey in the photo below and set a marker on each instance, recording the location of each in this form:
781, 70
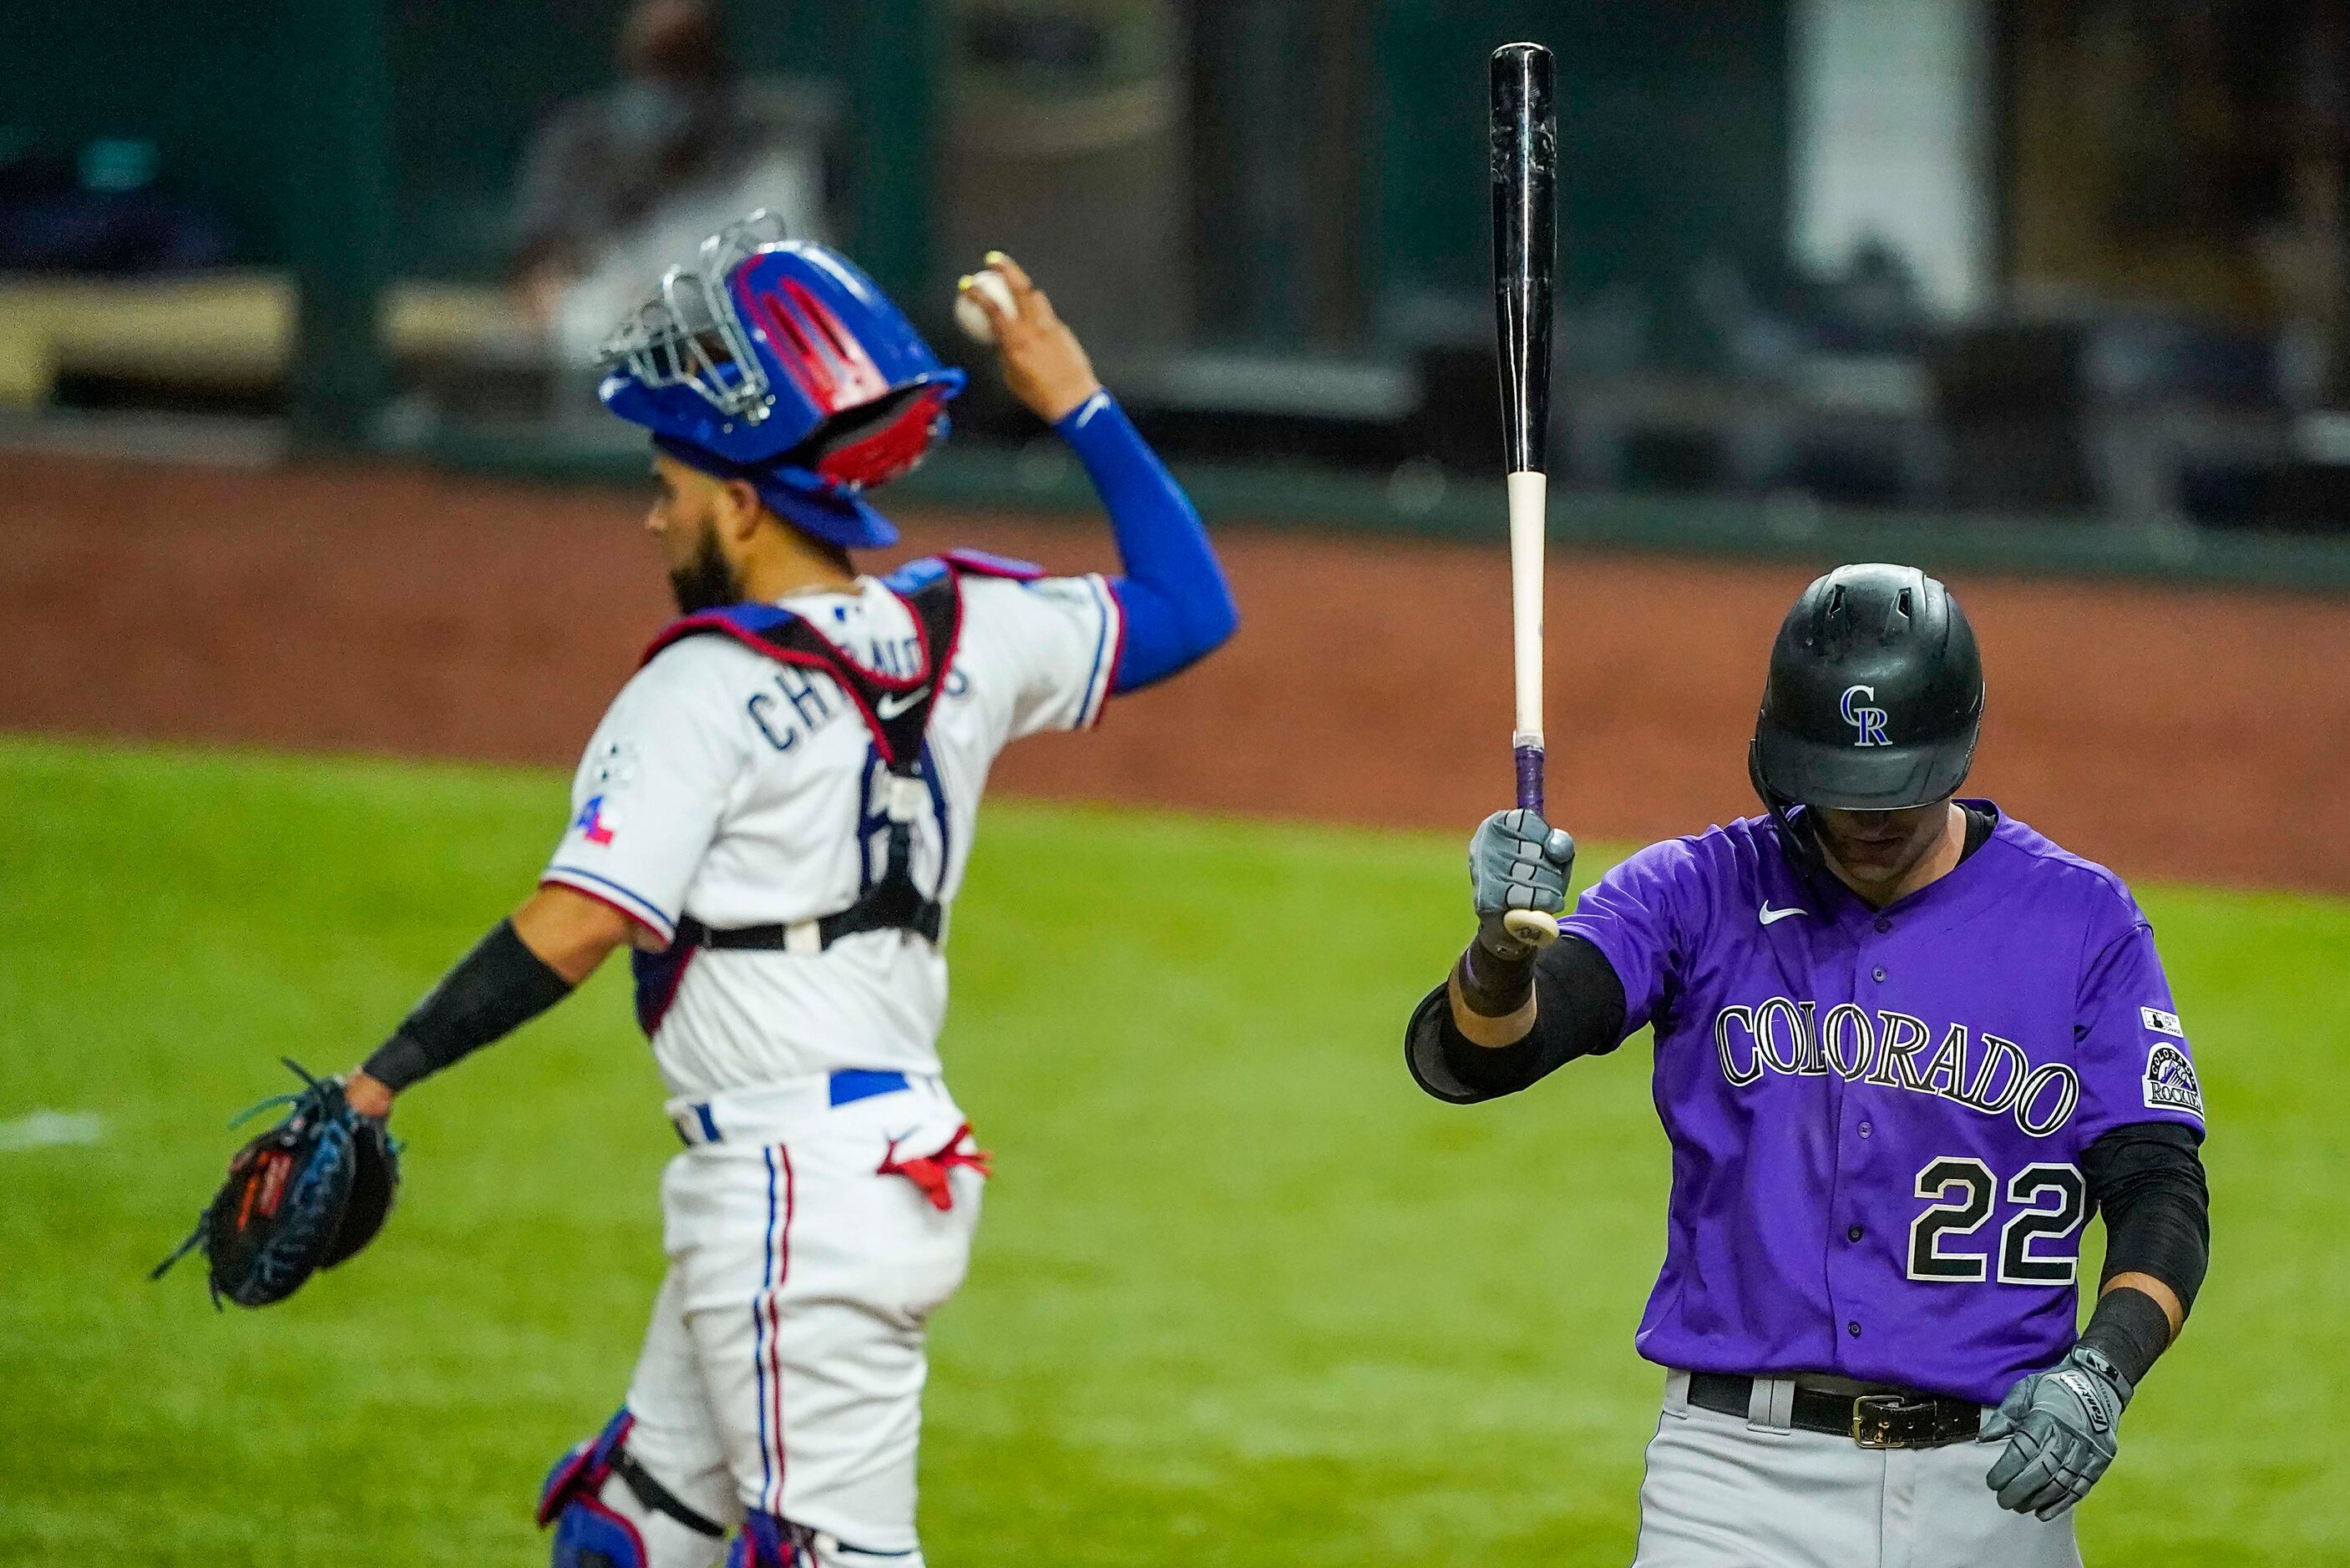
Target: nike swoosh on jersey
890, 707
1770, 916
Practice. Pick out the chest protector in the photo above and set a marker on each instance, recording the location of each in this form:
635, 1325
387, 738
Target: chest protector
896, 711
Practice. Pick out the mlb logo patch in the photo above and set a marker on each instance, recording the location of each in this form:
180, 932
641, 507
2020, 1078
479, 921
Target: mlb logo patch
2171, 1082
2162, 1022
615, 767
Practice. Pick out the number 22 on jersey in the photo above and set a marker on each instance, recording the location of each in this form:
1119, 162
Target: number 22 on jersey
1946, 1240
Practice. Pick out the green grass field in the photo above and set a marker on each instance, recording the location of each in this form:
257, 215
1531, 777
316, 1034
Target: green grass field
1242, 1294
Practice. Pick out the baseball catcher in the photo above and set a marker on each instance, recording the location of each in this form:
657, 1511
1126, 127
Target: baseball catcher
1905, 1047
775, 816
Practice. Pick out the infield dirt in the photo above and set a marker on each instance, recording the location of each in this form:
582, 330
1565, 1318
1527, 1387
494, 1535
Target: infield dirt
2168, 731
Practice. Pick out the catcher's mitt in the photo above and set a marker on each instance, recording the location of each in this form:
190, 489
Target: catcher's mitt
303, 1196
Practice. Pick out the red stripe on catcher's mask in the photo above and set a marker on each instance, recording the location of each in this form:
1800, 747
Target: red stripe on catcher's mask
932, 1173
889, 450
823, 357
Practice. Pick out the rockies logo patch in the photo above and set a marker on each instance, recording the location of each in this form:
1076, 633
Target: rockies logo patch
2170, 1080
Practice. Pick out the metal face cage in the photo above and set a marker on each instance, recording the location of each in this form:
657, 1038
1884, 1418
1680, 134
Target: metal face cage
688, 332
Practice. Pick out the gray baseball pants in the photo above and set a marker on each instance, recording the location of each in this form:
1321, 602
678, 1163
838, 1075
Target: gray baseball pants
1723, 1493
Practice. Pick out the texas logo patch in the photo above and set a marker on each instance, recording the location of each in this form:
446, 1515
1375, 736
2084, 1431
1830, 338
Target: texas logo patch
597, 822
2162, 1022
2171, 1082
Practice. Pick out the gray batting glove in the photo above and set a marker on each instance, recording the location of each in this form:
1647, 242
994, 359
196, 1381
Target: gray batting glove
1517, 861
2062, 1426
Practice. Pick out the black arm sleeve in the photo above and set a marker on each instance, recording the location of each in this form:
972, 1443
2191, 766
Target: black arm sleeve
1578, 1012
492, 991
2148, 1179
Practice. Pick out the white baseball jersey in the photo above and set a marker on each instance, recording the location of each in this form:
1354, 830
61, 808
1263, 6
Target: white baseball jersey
741, 790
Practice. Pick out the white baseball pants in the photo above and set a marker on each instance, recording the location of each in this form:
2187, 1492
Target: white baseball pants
784, 1366
1721, 1492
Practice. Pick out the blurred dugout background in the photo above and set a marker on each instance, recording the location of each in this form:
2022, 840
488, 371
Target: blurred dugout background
2032, 279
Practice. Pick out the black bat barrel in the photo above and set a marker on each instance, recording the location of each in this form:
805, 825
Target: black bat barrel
1525, 245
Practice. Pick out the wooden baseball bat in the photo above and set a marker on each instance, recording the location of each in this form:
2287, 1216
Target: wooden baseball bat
1525, 267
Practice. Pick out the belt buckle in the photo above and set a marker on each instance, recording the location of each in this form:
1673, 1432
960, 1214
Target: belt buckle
1873, 1416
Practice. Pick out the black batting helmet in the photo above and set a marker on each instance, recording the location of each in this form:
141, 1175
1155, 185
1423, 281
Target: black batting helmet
1874, 696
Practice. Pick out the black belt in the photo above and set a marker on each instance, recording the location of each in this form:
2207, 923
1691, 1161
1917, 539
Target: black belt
1887, 1418
924, 922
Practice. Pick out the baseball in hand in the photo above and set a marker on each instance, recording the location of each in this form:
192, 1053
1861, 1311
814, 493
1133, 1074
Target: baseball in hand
970, 315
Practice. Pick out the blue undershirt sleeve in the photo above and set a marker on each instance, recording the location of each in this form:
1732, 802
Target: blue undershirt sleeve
1176, 604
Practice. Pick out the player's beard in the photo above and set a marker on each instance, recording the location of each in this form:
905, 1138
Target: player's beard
707, 582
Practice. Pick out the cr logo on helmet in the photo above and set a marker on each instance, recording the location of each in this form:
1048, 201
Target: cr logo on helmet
1867, 723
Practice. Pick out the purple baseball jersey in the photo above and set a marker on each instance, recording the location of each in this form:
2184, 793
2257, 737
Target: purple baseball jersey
1877, 1115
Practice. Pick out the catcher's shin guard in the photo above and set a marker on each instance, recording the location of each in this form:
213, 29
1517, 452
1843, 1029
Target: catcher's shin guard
769, 1541
637, 1524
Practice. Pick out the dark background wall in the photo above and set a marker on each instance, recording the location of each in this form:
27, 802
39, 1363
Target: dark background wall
1672, 128
1673, 118
472, 77
199, 81
222, 92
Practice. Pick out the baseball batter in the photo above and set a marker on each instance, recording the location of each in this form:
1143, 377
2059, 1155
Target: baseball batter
776, 814
1904, 1046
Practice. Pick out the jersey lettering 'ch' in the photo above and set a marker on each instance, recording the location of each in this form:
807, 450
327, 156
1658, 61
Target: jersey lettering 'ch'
796, 705
797, 702
1977, 1069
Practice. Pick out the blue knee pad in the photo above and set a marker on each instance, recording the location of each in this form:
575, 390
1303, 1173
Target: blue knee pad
587, 1534
766, 1542
770, 1542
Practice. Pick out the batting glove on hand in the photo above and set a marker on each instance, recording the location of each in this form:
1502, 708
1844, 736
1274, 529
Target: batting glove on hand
2062, 1427
1517, 861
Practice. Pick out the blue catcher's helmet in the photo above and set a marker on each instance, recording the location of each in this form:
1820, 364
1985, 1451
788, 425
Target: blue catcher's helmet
778, 362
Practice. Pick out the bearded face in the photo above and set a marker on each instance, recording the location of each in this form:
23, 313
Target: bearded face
705, 580
683, 522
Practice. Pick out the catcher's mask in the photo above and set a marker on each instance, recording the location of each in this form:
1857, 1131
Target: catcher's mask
777, 361
1874, 697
